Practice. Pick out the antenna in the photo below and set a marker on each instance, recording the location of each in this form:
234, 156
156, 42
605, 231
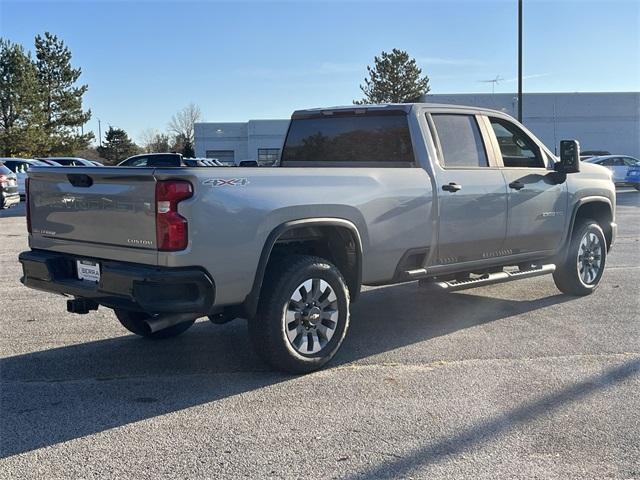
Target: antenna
493, 82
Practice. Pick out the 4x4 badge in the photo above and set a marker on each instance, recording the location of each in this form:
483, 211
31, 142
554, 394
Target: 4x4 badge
222, 182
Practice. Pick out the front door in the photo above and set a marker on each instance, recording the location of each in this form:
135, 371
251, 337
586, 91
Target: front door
537, 199
472, 197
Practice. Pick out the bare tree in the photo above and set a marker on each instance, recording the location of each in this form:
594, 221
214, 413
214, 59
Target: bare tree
182, 123
153, 141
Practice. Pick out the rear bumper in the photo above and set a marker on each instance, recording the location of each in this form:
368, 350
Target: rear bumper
122, 285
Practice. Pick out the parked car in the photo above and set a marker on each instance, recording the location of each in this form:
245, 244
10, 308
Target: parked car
158, 160
633, 177
70, 161
594, 153
20, 166
49, 162
456, 197
9, 195
618, 164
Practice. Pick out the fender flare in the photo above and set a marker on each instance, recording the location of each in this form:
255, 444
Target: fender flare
250, 304
574, 213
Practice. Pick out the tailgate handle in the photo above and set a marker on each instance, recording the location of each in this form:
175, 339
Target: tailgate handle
80, 180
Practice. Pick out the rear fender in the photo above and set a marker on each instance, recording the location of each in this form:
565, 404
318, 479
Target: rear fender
250, 305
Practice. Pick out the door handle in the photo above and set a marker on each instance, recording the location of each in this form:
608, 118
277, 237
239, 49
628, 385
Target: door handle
451, 187
517, 185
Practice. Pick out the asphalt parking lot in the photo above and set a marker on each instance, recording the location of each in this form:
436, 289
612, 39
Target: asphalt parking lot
508, 381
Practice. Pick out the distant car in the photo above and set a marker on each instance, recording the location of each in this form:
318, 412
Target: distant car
633, 177
50, 162
594, 153
9, 195
167, 160
618, 164
70, 161
20, 166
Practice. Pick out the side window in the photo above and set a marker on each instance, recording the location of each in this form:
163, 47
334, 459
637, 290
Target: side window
460, 140
517, 149
137, 162
630, 162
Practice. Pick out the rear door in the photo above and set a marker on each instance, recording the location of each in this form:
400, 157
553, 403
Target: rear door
537, 201
472, 196
620, 168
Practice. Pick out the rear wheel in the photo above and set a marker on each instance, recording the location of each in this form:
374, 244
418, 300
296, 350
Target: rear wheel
303, 314
135, 323
582, 268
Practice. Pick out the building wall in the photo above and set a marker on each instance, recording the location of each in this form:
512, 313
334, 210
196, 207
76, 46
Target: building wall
243, 138
599, 121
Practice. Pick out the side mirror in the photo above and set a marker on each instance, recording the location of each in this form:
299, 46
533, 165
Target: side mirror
569, 156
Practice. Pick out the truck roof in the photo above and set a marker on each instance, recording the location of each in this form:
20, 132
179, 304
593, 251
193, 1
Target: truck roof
384, 107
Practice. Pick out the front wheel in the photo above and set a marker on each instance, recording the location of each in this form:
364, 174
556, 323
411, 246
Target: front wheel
135, 323
582, 268
303, 314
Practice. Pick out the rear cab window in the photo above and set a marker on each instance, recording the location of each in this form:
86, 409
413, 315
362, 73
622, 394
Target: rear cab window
349, 139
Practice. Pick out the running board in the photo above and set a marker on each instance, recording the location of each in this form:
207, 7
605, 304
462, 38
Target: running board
488, 279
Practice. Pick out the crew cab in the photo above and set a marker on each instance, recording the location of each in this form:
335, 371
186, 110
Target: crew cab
453, 197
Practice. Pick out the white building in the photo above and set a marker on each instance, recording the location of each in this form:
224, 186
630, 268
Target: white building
599, 121
233, 142
607, 121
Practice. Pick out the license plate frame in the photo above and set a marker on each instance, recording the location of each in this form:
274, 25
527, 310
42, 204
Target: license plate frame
88, 270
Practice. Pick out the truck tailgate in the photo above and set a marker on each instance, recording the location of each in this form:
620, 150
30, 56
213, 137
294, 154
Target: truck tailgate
103, 206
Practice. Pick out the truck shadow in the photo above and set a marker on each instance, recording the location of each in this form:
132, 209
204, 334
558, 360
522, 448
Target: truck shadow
56, 395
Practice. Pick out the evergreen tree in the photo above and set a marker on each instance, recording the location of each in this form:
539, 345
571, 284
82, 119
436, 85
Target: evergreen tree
117, 146
60, 97
19, 108
395, 78
187, 150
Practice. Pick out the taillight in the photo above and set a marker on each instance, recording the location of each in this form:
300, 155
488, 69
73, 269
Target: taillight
171, 227
27, 202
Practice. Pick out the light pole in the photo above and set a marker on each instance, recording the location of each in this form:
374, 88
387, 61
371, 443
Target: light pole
99, 134
520, 61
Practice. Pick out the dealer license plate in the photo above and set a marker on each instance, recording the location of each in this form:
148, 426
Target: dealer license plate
88, 270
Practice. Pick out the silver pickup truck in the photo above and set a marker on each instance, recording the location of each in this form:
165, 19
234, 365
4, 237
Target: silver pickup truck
454, 197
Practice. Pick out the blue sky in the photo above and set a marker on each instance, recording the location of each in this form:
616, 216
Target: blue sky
145, 60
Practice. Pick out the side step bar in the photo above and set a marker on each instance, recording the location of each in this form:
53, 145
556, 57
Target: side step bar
488, 279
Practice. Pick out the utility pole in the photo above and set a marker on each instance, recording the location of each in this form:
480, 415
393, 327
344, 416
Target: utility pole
520, 61
99, 134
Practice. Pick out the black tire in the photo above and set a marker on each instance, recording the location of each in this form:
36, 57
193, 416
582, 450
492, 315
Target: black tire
268, 329
134, 322
568, 275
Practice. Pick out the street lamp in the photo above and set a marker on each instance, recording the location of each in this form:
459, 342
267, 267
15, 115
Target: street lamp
520, 61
